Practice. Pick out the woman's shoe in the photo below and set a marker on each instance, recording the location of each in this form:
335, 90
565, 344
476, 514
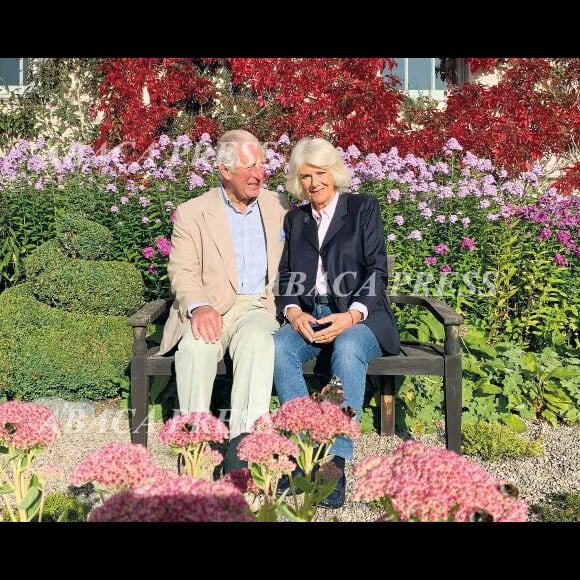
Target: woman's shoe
337, 495
284, 482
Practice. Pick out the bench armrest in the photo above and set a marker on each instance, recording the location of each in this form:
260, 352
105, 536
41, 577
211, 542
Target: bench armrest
142, 319
442, 312
149, 313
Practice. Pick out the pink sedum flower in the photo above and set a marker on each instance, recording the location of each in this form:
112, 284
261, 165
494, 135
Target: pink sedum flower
27, 425
176, 500
193, 429
116, 466
323, 420
269, 450
263, 424
426, 483
242, 481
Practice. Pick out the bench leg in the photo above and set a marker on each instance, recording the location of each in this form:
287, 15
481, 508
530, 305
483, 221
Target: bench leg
452, 392
139, 400
387, 403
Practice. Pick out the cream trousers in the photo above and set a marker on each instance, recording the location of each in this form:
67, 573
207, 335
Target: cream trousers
247, 332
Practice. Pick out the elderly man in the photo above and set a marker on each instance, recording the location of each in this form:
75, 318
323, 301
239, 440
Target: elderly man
226, 247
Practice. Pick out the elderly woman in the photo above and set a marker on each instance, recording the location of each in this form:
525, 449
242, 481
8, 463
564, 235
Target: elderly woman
332, 280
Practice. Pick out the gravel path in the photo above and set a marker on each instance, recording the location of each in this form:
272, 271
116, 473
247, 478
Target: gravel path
557, 470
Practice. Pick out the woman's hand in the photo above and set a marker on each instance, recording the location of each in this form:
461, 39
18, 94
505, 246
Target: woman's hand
340, 321
301, 322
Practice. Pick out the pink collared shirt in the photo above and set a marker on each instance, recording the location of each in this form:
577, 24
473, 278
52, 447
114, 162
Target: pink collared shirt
323, 220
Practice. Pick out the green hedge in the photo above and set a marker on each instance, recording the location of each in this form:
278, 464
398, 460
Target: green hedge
83, 238
83, 286
48, 352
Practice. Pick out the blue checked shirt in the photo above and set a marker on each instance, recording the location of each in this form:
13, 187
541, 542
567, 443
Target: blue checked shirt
249, 243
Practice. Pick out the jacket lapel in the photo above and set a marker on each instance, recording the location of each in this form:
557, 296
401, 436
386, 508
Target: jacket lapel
338, 220
310, 228
217, 225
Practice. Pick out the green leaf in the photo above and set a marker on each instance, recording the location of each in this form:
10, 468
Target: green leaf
287, 512
530, 362
4, 489
30, 498
490, 389
515, 422
565, 373
550, 417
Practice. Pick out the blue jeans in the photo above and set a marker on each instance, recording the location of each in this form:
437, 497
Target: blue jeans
352, 350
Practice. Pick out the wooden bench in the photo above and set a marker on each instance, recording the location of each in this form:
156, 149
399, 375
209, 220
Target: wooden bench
414, 359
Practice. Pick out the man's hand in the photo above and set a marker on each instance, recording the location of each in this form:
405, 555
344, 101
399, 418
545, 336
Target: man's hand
207, 324
301, 322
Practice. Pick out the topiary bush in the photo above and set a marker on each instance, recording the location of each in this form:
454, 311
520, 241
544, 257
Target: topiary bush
47, 255
83, 238
49, 352
84, 286
496, 441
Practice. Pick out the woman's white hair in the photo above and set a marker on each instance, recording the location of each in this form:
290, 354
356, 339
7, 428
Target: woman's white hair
320, 153
227, 153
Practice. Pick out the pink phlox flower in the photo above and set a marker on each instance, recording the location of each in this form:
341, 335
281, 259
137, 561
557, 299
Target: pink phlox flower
163, 245
560, 260
445, 269
193, 429
116, 466
322, 420
545, 234
441, 249
269, 450
428, 483
430, 261
148, 252
467, 244
181, 499
27, 425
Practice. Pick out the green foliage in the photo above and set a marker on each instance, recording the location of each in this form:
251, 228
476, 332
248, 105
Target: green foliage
83, 238
64, 507
49, 352
560, 507
367, 421
83, 286
55, 103
419, 403
494, 441
536, 302
47, 255
506, 381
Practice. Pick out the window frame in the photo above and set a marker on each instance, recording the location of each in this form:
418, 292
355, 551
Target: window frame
432, 92
7, 90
